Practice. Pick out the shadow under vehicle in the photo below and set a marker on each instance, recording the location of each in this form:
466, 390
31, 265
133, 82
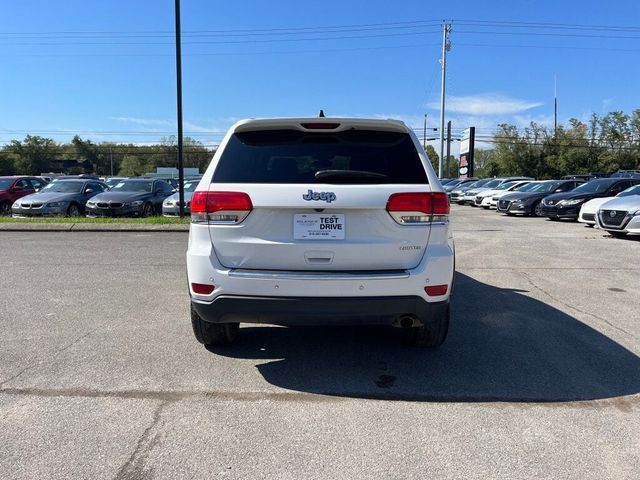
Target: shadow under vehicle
503, 346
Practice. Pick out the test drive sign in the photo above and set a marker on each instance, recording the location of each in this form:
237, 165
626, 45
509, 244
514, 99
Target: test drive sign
465, 165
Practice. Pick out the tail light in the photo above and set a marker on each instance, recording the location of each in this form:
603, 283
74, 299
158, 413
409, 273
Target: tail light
320, 126
224, 208
416, 208
436, 290
202, 288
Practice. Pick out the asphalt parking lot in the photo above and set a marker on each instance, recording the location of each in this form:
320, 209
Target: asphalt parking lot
100, 376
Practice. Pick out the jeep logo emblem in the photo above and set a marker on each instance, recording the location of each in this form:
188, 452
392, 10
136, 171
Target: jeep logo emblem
324, 196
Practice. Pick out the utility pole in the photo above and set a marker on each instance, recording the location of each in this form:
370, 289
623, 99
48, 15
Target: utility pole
446, 46
472, 151
111, 160
179, 105
555, 106
424, 135
448, 167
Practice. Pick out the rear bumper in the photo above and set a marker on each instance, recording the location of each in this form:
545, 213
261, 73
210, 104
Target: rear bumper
291, 311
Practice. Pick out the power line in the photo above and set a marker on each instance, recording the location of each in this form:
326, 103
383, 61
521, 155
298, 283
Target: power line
567, 26
215, 54
547, 34
200, 35
347, 27
551, 144
112, 132
249, 30
553, 47
231, 42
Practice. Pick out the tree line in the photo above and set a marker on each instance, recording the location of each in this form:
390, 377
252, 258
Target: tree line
35, 155
604, 143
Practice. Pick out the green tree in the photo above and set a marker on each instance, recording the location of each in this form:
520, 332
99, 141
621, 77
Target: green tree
433, 156
6, 164
453, 168
97, 155
33, 154
484, 164
131, 166
195, 154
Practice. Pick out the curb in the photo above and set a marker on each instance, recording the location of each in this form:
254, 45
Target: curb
92, 227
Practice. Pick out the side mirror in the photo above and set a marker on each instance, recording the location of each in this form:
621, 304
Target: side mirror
88, 190
17, 188
558, 190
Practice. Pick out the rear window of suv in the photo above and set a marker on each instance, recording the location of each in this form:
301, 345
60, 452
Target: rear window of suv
291, 156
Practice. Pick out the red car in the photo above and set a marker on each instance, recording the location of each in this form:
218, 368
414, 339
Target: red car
15, 187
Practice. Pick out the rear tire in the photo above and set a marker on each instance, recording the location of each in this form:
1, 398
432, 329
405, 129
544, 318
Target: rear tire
210, 334
5, 208
431, 335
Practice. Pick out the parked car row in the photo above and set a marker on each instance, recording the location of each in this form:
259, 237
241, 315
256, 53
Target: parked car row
609, 203
73, 196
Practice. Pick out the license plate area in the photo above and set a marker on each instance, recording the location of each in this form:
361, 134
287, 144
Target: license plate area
318, 226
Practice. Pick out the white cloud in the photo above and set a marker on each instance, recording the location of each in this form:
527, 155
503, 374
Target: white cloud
486, 104
606, 104
525, 120
144, 121
193, 127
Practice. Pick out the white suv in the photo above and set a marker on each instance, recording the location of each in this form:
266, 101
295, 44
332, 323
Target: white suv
318, 221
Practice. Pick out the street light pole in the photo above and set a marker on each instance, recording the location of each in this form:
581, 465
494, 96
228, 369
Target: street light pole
446, 46
179, 107
424, 135
447, 166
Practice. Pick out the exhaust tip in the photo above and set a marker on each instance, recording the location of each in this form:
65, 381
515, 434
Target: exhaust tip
408, 321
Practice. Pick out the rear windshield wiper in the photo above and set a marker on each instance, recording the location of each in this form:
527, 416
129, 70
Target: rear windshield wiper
350, 176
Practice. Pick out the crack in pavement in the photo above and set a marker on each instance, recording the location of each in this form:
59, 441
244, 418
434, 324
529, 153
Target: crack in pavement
556, 299
61, 350
58, 352
133, 468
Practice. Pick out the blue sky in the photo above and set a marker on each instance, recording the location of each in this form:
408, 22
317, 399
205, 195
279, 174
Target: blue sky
106, 69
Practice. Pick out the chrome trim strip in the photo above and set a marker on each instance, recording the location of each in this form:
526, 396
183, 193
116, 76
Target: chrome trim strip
317, 275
